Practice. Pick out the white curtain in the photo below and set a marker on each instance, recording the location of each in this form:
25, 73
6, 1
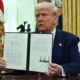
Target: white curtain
18, 11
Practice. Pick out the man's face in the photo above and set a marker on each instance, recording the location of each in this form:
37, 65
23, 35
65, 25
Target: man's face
45, 20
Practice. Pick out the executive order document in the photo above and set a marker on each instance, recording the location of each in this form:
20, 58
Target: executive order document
40, 52
23, 51
15, 50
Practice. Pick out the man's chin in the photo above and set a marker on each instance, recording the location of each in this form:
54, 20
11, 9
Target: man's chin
43, 30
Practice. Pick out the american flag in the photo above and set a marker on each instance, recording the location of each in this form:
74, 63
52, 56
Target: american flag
1, 11
1, 20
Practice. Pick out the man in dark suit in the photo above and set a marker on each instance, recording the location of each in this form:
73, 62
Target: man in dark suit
65, 54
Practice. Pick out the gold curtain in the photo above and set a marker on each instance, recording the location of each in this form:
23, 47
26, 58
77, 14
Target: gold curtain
71, 16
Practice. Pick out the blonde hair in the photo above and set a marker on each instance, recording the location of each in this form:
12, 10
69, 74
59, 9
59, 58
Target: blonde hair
47, 5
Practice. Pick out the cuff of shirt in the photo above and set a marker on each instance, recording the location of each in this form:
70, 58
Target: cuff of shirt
63, 73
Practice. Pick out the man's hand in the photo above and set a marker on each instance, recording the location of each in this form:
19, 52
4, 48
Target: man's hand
2, 63
54, 70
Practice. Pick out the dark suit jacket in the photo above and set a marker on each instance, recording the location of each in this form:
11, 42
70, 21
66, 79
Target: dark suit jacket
65, 53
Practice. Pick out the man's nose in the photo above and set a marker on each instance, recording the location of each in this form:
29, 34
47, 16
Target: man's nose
40, 17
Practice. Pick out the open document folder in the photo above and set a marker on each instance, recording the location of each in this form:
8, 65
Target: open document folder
27, 51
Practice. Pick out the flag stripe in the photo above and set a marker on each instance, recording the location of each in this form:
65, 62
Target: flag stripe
1, 11
1, 6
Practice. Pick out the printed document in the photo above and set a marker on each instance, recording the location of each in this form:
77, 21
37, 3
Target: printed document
15, 50
40, 52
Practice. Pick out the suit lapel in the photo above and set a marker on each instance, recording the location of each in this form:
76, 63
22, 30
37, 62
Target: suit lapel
57, 46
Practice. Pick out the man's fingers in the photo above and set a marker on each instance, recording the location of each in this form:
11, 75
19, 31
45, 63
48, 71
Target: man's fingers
54, 69
53, 65
2, 63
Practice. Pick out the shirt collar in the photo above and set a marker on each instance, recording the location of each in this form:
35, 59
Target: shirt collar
54, 32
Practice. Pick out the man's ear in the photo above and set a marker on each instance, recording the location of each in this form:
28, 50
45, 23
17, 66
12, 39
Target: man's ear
55, 19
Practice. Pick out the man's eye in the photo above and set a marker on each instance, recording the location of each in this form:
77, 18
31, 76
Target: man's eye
41, 15
36, 15
44, 14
